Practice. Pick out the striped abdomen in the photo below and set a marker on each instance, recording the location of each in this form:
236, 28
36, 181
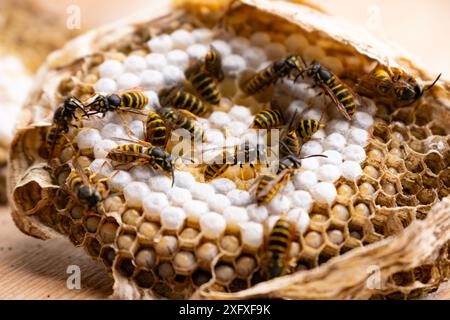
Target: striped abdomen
267, 189
215, 170
55, 141
213, 64
126, 153
134, 99
268, 119
342, 94
292, 142
191, 126
156, 130
188, 101
279, 241
261, 80
306, 128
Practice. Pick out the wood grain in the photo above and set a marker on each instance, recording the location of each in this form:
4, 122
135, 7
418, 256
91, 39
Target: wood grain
34, 269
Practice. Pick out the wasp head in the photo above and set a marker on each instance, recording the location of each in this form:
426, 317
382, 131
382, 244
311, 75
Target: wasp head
89, 196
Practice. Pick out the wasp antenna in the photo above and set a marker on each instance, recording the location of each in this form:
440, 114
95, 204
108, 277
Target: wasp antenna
315, 155
428, 87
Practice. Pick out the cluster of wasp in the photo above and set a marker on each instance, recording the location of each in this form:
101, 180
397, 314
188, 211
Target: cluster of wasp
179, 109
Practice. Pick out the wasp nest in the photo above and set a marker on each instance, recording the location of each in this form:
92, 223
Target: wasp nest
22, 50
370, 219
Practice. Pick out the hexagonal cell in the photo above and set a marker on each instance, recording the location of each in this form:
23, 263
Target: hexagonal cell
423, 273
419, 146
416, 294
108, 230
49, 217
389, 184
434, 162
76, 234
113, 204
414, 163
405, 201
420, 133
108, 254
224, 273
355, 230
411, 183
166, 271
92, 222
438, 130
405, 115
62, 199
327, 253
345, 190
363, 208
350, 244
367, 188
426, 196
381, 132
230, 245
189, 238
383, 200
124, 264
340, 212
245, 266
430, 181
126, 240
205, 253
396, 295
313, 239
445, 177
400, 133
144, 279
184, 262
422, 212
238, 285
424, 114
64, 224
200, 277
372, 171
77, 212
131, 217
163, 290
375, 153
146, 257
443, 192
167, 246
92, 246
403, 279
306, 263
147, 231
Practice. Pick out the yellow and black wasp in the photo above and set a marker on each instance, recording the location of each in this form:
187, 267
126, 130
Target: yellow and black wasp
272, 74
156, 131
182, 119
204, 83
392, 85
268, 119
129, 101
178, 98
143, 153
86, 187
276, 261
55, 141
213, 64
245, 153
342, 96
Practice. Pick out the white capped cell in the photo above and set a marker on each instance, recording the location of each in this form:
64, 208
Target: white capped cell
324, 192
312, 114
194, 209
319, 135
369, 106
202, 35
237, 128
101, 166
134, 192
179, 196
160, 183
235, 215
329, 173
154, 203
202, 191
127, 81
141, 173
105, 85
172, 76
270, 222
110, 69
362, 120
240, 113
334, 141
153, 100
305, 180
218, 203
102, 147
351, 170
338, 126
152, 80
260, 39
112, 131
279, 204
301, 199
119, 179
182, 39
197, 51
156, 61
257, 213
172, 218
239, 197
222, 47
219, 118
310, 148
358, 136
137, 128
233, 64
296, 42
252, 234
134, 63
184, 179
311, 164
255, 56
212, 225
88, 138
178, 58
333, 157
297, 105
215, 136
354, 152
239, 45
303, 220
160, 44
223, 185
275, 51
